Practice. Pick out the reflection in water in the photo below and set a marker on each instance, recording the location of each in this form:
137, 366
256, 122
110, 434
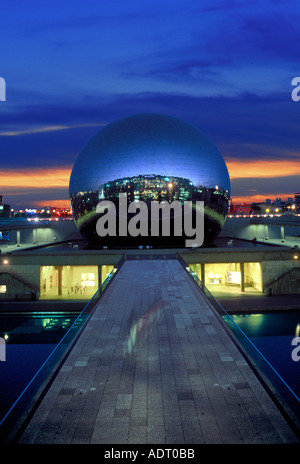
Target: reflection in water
35, 328
269, 324
272, 334
30, 339
254, 323
140, 330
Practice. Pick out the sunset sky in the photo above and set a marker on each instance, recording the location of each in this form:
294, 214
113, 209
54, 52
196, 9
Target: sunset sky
225, 66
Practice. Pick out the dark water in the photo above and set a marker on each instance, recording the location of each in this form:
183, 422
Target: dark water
29, 340
272, 334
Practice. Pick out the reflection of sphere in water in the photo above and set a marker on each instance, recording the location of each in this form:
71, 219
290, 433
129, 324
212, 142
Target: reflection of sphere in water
149, 157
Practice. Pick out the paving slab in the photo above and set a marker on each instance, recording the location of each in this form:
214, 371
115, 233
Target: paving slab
154, 365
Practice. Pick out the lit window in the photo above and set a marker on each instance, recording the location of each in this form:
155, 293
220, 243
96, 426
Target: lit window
88, 279
3, 289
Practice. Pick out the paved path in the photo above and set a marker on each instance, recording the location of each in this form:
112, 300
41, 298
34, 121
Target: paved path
154, 365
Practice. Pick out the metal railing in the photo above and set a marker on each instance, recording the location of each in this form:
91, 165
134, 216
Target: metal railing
281, 276
21, 279
22, 409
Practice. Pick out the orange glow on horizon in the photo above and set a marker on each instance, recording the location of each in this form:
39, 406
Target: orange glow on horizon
248, 199
59, 204
262, 168
16, 182
39, 178
59, 177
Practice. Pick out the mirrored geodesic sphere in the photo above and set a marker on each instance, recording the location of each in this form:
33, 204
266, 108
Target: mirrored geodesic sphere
151, 157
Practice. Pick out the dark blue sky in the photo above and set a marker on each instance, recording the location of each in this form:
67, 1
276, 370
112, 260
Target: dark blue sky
225, 66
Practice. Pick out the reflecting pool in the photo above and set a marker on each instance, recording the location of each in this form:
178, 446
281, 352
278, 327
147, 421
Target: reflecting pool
272, 334
29, 341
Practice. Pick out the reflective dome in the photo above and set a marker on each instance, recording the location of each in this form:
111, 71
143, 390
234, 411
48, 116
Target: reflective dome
143, 155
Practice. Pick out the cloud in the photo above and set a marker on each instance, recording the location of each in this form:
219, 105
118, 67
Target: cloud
225, 5
37, 130
258, 137
264, 187
244, 126
274, 35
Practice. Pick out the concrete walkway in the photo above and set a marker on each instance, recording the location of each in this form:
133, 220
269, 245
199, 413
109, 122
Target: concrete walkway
154, 366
